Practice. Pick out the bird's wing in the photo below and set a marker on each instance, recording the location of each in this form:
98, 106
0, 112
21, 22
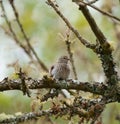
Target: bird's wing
50, 71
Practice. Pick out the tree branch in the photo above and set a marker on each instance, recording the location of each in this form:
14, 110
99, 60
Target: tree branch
68, 44
46, 82
27, 51
98, 33
12, 31
81, 39
26, 37
96, 8
103, 50
88, 109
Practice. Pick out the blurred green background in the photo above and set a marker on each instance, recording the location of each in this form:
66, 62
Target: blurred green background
47, 31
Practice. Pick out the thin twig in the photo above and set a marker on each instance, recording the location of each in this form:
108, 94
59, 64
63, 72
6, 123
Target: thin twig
82, 40
24, 87
12, 31
49, 95
26, 38
96, 8
68, 44
6, 31
13, 34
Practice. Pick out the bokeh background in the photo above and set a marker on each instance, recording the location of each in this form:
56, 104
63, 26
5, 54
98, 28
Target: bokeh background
47, 32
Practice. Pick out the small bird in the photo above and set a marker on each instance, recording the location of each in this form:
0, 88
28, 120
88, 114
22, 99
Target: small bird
61, 70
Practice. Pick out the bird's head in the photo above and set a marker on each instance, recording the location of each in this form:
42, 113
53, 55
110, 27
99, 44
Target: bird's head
63, 59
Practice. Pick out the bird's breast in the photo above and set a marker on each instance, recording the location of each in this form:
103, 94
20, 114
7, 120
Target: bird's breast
61, 71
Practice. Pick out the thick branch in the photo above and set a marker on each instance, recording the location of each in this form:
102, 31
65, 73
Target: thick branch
98, 33
16, 84
104, 51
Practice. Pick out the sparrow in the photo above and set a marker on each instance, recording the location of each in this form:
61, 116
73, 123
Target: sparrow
61, 70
